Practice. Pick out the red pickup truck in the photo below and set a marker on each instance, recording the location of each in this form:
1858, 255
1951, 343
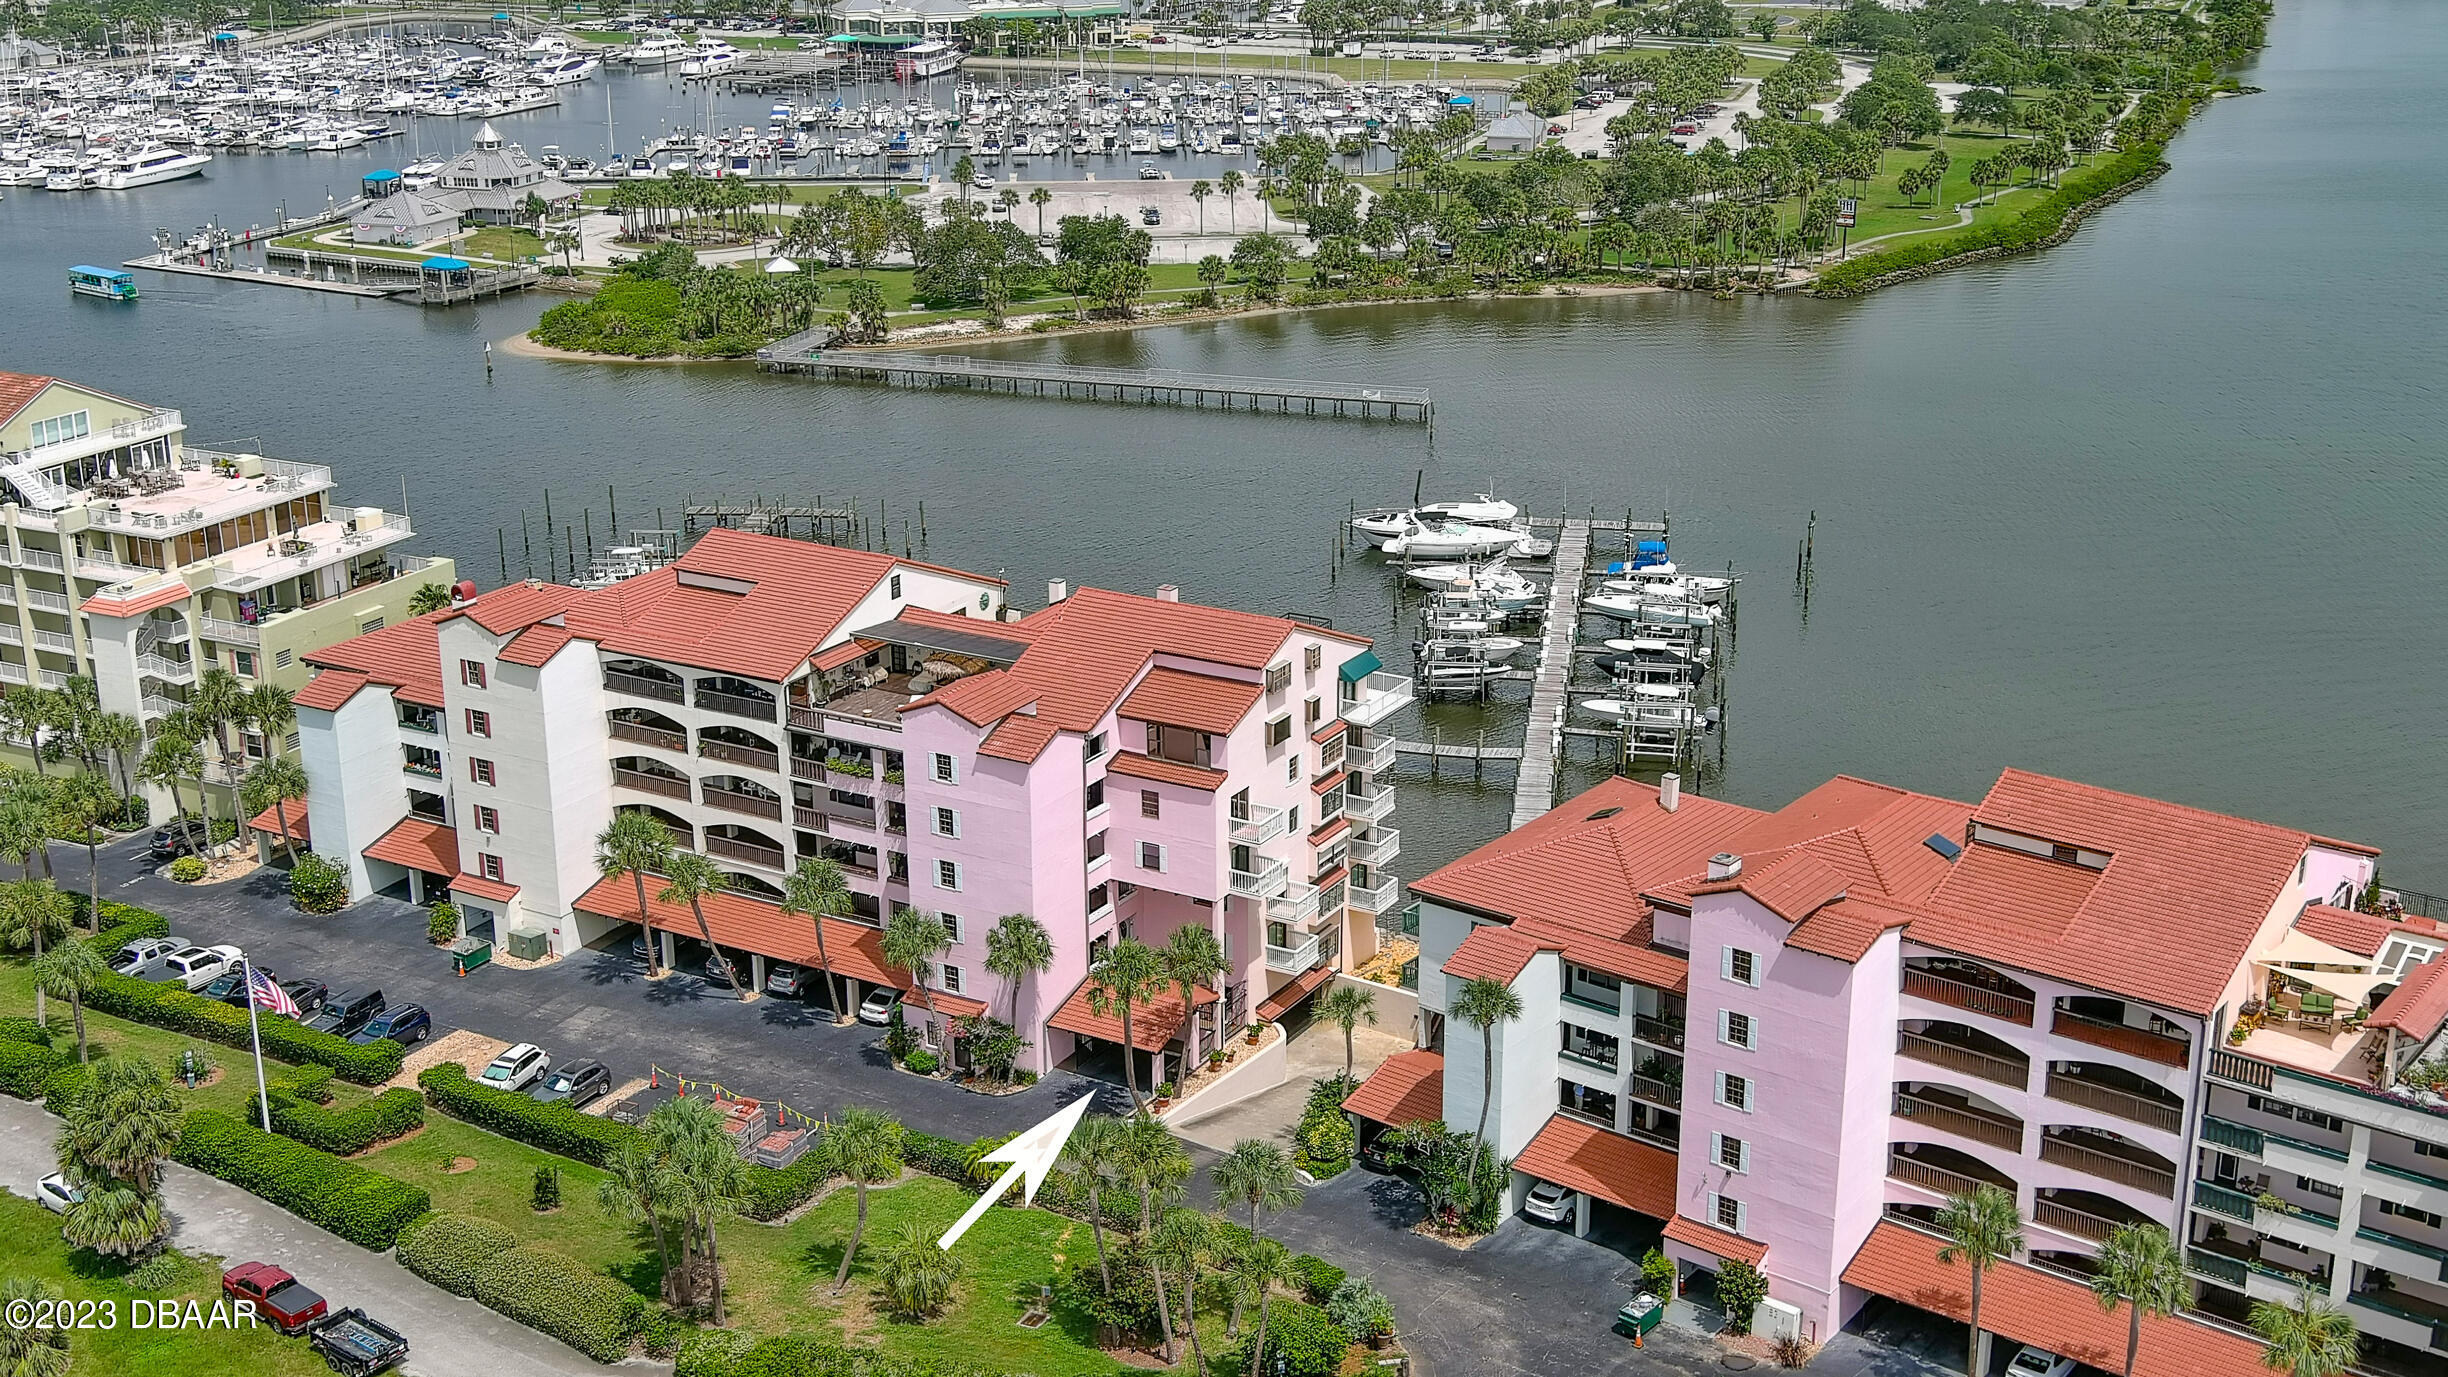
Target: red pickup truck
277, 1296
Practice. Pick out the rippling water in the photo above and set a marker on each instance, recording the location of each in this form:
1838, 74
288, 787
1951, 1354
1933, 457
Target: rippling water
2158, 509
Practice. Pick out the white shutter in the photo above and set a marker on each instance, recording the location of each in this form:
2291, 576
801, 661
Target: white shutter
1725, 1026
1716, 1149
1742, 1218
1712, 1209
1725, 963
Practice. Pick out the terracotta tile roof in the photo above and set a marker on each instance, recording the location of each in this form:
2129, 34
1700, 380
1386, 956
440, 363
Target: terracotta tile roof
1288, 998
1200, 702
2025, 1305
1329, 782
1020, 737
1792, 886
1609, 1166
2361, 933
1087, 649
1631, 957
980, 699
848, 652
1330, 831
268, 821
1716, 1242
109, 604
1848, 928
1494, 951
329, 689
513, 606
1137, 766
2419, 1004
406, 657
537, 644
1153, 1024
1329, 732
18, 390
2168, 920
1408, 1088
483, 888
419, 845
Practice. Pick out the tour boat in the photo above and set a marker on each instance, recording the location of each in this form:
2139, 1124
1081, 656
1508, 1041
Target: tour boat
932, 58
110, 284
1480, 510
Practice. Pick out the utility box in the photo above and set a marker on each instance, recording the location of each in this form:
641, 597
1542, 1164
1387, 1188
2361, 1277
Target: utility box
1775, 1319
527, 944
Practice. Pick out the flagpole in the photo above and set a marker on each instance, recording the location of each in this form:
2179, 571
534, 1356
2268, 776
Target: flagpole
263, 1097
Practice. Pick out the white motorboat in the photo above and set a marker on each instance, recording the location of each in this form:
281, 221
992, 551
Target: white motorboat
1491, 582
1664, 707
1662, 590
1660, 648
1631, 607
564, 71
1704, 587
1462, 540
1494, 647
1446, 674
1481, 510
657, 50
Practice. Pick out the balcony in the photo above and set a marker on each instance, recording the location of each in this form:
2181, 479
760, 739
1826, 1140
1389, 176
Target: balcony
1380, 849
1658, 1091
1654, 1030
643, 686
1377, 755
12, 671
1969, 1061
669, 786
1297, 904
2121, 1037
228, 633
755, 757
657, 737
1963, 994
32, 558
2242, 1070
1256, 825
1591, 1059
755, 853
1930, 1177
428, 769
2416, 1323
47, 601
736, 704
59, 642
1270, 879
10, 635
2217, 1267
2066, 1219
2242, 1139
2406, 1256
159, 666
1376, 698
2108, 1099
1294, 960
424, 720
1384, 897
2218, 1199
1963, 1119
808, 819
156, 705
736, 801
1368, 807
2148, 1177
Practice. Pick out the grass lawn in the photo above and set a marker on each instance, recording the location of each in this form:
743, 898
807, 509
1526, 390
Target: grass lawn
104, 1034
1883, 211
505, 242
30, 1241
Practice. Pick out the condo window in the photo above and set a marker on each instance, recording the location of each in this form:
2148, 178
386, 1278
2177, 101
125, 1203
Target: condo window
952, 925
1096, 795
1098, 899
1096, 847
487, 819
946, 772
1150, 804
953, 979
1311, 710
1734, 1028
1279, 677
1312, 655
491, 866
1151, 856
471, 673
59, 430
1734, 1092
480, 771
1733, 1153
1740, 966
1096, 746
243, 662
895, 593
947, 822
1279, 730
947, 874
1179, 743
479, 723
1727, 1212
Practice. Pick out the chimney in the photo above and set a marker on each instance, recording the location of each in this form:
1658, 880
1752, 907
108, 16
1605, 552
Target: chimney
1670, 791
1056, 591
463, 592
1725, 865
1166, 592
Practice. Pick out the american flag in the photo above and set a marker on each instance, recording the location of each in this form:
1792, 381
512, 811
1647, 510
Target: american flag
270, 996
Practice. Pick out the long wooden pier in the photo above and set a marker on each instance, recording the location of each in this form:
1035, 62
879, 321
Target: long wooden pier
1534, 784
1151, 386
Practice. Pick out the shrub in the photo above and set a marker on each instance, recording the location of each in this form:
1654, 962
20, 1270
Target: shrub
62, 1087
24, 1030
365, 1207
1318, 1277
1790, 1350
537, 1287
1300, 1342
547, 1194
442, 924
773, 1192
284, 1039
391, 1114
721, 1353
187, 870
317, 885
554, 1127
163, 1271
663, 1334
1658, 1275
1740, 1289
122, 923
1361, 1311
310, 1082
1326, 1145
923, 1062
939, 1157
26, 1068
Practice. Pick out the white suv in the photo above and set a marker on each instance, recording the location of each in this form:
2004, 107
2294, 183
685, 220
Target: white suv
197, 967
517, 1068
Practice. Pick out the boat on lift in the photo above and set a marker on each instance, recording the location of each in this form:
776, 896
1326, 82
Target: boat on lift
1481, 510
1704, 587
1632, 607
1462, 540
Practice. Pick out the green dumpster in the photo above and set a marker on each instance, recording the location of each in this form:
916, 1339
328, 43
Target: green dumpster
468, 953
1639, 1315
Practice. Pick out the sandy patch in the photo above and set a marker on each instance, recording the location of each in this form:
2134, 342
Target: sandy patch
619, 1093
471, 1050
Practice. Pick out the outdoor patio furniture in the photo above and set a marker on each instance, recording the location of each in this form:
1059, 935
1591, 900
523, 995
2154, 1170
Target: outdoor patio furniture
2288, 1006
2319, 1010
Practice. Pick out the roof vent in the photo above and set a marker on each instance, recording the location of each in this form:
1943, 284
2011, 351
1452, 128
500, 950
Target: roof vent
1166, 592
1056, 591
1725, 865
463, 592
1602, 813
1670, 791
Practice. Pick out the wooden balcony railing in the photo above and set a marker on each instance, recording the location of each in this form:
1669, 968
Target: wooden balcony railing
2121, 1037
2107, 1166
736, 704
666, 785
1938, 1179
2243, 1070
656, 737
1668, 1094
643, 686
1963, 994
755, 853
1995, 1130
806, 818
2108, 1099
734, 801
2067, 1219
1971, 1062
752, 756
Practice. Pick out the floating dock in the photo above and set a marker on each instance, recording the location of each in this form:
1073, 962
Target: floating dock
1151, 386
1534, 783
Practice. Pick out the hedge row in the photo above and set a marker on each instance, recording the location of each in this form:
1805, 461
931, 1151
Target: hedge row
391, 1114
539, 1288
365, 1207
284, 1039
124, 923
26, 1068
24, 1030
2035, 228
728, 1353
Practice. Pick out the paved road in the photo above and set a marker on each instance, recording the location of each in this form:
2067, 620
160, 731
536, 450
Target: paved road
447, 1336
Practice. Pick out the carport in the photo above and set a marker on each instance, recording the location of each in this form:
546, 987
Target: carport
1155, 1028
420, 851
1407, 1089
1294, 997
269, 835
1601, 1168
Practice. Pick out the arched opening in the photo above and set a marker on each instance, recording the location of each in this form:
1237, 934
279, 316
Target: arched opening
734, 842
733, 746
1948, 1171
641, 679
2111, 1157
647, 775
684, 835
738, 697
2082, 1213
741, 882
2114, 1090
735, 794
1968, 985
1949, 1110
1964, 1050
646, 727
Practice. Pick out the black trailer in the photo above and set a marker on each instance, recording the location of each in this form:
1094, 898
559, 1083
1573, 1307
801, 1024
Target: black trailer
356, 1345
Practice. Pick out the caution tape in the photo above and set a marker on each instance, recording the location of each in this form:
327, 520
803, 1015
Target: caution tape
783, 1113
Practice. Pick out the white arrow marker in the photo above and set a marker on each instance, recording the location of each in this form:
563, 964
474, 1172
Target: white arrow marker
1032, 1156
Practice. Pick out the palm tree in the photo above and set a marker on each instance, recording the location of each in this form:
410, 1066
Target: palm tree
2310, 1338
636, 843
1200, 190
1258, 1267
1194, 958
88, 799
1232, 183
1259, 1173
1483, 1004
276, 782
66, 972
689, 878
1040, 198
432, 597
1017, 947
1183, 1243
1983, 1229
25, 822
25, 713
1130, 975
706, 1178
168, 762
638, 1185
911, 940
33, 915
1345, 1006
865, 1146
917, 1276
33, 1350
1154, 1165
269, 711
218, 703
2139, 1264
962, 171
818, 890
116, 1136
1093, 1155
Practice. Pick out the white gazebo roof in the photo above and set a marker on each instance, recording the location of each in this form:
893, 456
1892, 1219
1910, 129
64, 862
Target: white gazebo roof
781, 265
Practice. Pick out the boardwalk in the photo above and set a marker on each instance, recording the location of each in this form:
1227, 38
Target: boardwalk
1176, 387
259, 277
1535, 784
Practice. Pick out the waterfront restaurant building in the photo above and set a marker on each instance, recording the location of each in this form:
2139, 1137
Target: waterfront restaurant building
1790, 1037
1114, 765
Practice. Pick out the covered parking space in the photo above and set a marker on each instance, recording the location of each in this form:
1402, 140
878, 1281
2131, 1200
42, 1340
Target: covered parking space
1096, 1039
418, 856
270, 836
1632, 1180
1408, 1088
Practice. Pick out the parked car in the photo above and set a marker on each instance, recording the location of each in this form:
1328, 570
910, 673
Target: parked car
1150, 215
789, 981
139, 958
277, 1296
579, 1083
56, 1194
401, 1023
355, 1344
197, 967
1380, 1155
1550, 1202
2038, 1362
170, 843
308, 995
229, 986
517, 1068
718, 967
877, 1008
640, 947
345, 1013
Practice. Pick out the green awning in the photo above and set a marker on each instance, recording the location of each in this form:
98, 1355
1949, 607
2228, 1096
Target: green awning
1359, 667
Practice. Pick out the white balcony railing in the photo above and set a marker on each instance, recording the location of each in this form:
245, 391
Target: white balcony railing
59, 641
10, 635
107, 569
1368, 807
1294, 960
231, 633
1369, 759
52, 678
1263, 825
32, 558
1378, 697
163, 667
46, 600
1379, 849
13, 671
1271, 878
1298, 904
156, 705
1385, 898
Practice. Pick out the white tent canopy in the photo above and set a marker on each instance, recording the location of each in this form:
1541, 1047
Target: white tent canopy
781, 265
2300, 948
2351, 986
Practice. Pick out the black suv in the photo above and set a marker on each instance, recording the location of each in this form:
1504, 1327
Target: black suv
347, 1012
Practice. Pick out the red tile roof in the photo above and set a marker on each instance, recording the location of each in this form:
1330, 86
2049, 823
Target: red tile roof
268, 821
1021, 737
1792, 886
1329, 732
483, 888
1631, 957
1848, 928
1288, 998
1137, 766
109, 604
537, 644
980, 699
2361, 933
329, 689
406, 657
2025, 1305
1607, 1165
1329, 782
2419, 1004
1494, 951
1330, 830
419, 845
847, 652
1408, 1088
1200, 702
1716, 1242
17, 390
1153, 1023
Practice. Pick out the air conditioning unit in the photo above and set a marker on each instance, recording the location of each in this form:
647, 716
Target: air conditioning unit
527, 944
1775, 1319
